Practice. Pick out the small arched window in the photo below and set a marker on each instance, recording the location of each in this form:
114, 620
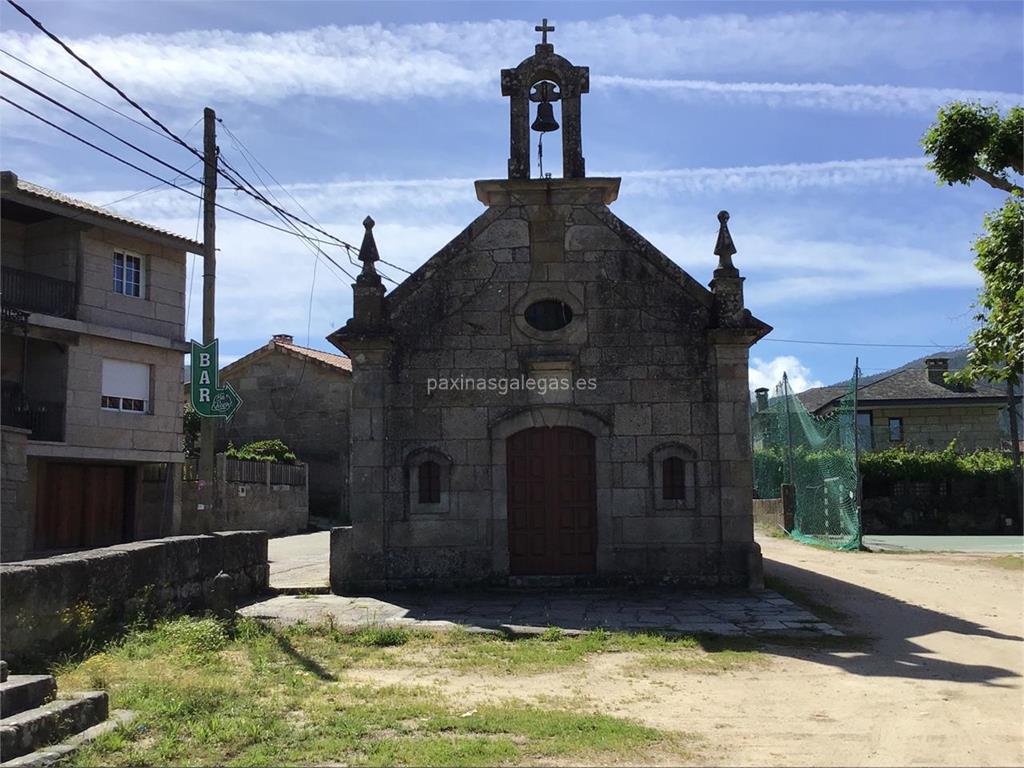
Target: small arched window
673, 479
429, 483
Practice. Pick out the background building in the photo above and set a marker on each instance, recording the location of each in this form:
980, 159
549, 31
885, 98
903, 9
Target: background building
300, 396
92, 346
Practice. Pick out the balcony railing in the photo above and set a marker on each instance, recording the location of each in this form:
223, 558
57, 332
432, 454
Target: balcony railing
31, 292
44, 419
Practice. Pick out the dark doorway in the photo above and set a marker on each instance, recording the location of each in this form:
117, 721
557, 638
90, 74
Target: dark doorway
83, 505
552, 502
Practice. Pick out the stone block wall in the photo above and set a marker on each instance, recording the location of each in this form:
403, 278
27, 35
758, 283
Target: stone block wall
50, 604
642, 330
152, 436
159, 312
305, 404
16, 514
276, 508
932, 428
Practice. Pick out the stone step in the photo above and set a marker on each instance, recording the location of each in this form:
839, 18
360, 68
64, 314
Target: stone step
3, 671
24, 692
51, 723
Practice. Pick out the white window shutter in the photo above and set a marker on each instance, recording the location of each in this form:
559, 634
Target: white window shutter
124, 379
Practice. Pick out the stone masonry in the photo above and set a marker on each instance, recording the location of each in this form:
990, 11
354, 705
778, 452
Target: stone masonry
16, 521
658, 371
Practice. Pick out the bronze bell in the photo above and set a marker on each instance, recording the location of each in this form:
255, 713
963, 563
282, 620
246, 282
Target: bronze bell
545, 122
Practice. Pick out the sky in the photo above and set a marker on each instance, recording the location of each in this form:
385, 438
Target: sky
803, 120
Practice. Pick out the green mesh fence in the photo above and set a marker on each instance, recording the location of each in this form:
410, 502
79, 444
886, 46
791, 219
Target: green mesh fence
818, 456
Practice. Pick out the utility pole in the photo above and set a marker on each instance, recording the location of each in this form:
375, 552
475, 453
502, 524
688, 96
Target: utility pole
208, 435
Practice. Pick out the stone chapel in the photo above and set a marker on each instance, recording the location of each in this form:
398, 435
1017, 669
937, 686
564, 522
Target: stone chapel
549, 398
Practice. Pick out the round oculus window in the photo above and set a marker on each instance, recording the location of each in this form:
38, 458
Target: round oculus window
548, 315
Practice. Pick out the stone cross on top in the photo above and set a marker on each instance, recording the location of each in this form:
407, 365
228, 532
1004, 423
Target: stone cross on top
544, 29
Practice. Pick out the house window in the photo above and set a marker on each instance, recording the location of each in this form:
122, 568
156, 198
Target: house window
429, 482
673, 479
128, 276
896, 430
865, 438
125, 386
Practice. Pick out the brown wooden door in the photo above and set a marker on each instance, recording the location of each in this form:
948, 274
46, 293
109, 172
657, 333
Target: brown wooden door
552, 502
82, 505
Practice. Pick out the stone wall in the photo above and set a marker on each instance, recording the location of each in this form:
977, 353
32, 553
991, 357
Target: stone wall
140, 437
305, 404
53, 603
16, 517
972, 426
987, 504
666, 380
275, 507
161, 310
768, 512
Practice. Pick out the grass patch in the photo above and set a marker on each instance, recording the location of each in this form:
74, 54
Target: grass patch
210, 693
553, 650
772, 531
1006, 562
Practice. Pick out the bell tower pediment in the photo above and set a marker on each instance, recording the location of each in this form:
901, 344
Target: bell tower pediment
570, 81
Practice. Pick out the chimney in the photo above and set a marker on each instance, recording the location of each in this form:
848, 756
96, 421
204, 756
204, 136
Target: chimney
937, 367
761, 393
283, 338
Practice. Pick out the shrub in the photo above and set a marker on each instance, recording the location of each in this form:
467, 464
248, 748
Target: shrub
263, 450
902, 463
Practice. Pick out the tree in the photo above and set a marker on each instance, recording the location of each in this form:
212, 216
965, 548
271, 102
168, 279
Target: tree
967, 142
971, 141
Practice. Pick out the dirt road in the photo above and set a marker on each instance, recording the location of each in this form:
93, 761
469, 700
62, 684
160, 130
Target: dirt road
939, 683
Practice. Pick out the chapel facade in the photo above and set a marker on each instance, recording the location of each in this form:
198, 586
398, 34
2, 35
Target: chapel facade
549, 397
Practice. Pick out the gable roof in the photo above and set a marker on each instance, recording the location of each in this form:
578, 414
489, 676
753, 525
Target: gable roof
57, 203
907, 386
328, 360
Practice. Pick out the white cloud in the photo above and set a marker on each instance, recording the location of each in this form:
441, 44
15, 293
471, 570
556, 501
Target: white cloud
379, 62
781, 177
768, 373
844, 98
264, 276
349, 200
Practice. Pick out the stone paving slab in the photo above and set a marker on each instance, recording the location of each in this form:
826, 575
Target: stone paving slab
532, 612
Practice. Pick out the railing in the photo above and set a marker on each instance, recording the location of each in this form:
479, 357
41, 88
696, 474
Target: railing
263, 472
32, 292
255, 472
44, 419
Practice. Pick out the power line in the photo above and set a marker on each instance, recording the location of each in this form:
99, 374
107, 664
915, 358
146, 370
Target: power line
250, 157
99, 127
863, 344
149, 173
236, 182
39, 25
93, 99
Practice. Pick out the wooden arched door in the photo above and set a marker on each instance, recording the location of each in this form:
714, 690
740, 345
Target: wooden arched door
552, 502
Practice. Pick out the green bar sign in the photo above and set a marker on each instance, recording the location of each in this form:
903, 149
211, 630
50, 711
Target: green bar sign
209, 399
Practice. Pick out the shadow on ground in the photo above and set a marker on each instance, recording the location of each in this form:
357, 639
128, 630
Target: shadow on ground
890, 626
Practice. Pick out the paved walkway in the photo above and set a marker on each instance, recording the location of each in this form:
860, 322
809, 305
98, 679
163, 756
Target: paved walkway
1001, 544
300, 562
527, 612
